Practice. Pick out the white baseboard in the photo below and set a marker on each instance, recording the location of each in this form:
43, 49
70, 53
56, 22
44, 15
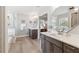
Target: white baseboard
21, 35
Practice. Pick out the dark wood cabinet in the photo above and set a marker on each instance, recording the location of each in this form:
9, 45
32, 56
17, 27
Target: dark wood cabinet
42, 37
33, 33
54, 41
57, 49
50, 45
54, 46
69, 49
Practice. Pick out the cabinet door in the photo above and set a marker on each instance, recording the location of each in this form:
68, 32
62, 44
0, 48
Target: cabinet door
57, 49
42, 37
34, 34
52, 48
69, 49
42, 41
43, 45
53, 45
49, 47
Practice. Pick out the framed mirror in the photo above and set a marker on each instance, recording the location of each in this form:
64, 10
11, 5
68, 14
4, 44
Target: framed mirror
43, 22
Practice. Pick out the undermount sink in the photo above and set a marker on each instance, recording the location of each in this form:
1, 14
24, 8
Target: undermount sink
56, 35
53, 34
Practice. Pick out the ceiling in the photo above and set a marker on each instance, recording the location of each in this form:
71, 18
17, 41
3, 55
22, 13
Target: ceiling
38, 10
28, 9
62, 9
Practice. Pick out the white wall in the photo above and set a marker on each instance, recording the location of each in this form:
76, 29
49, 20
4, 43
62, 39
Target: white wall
19, 18
75, 30
50, 17
3, 30
0, 29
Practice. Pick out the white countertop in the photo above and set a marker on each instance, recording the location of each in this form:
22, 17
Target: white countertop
71, 39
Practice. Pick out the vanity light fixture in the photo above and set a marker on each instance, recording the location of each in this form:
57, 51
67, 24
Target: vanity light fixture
74, 8
71, 8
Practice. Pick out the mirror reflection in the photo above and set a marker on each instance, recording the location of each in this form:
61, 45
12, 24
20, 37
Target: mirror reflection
65, 18
43, 22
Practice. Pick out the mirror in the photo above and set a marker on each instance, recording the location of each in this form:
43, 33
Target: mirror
65, 18
43, 22
63, 23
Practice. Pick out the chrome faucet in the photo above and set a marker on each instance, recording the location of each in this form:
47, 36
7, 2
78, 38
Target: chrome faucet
60, 30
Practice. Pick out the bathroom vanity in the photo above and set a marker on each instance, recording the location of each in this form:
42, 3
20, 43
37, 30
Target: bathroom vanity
51, 43
33, 33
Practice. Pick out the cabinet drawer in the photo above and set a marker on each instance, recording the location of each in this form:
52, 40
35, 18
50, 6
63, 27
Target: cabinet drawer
54, 41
